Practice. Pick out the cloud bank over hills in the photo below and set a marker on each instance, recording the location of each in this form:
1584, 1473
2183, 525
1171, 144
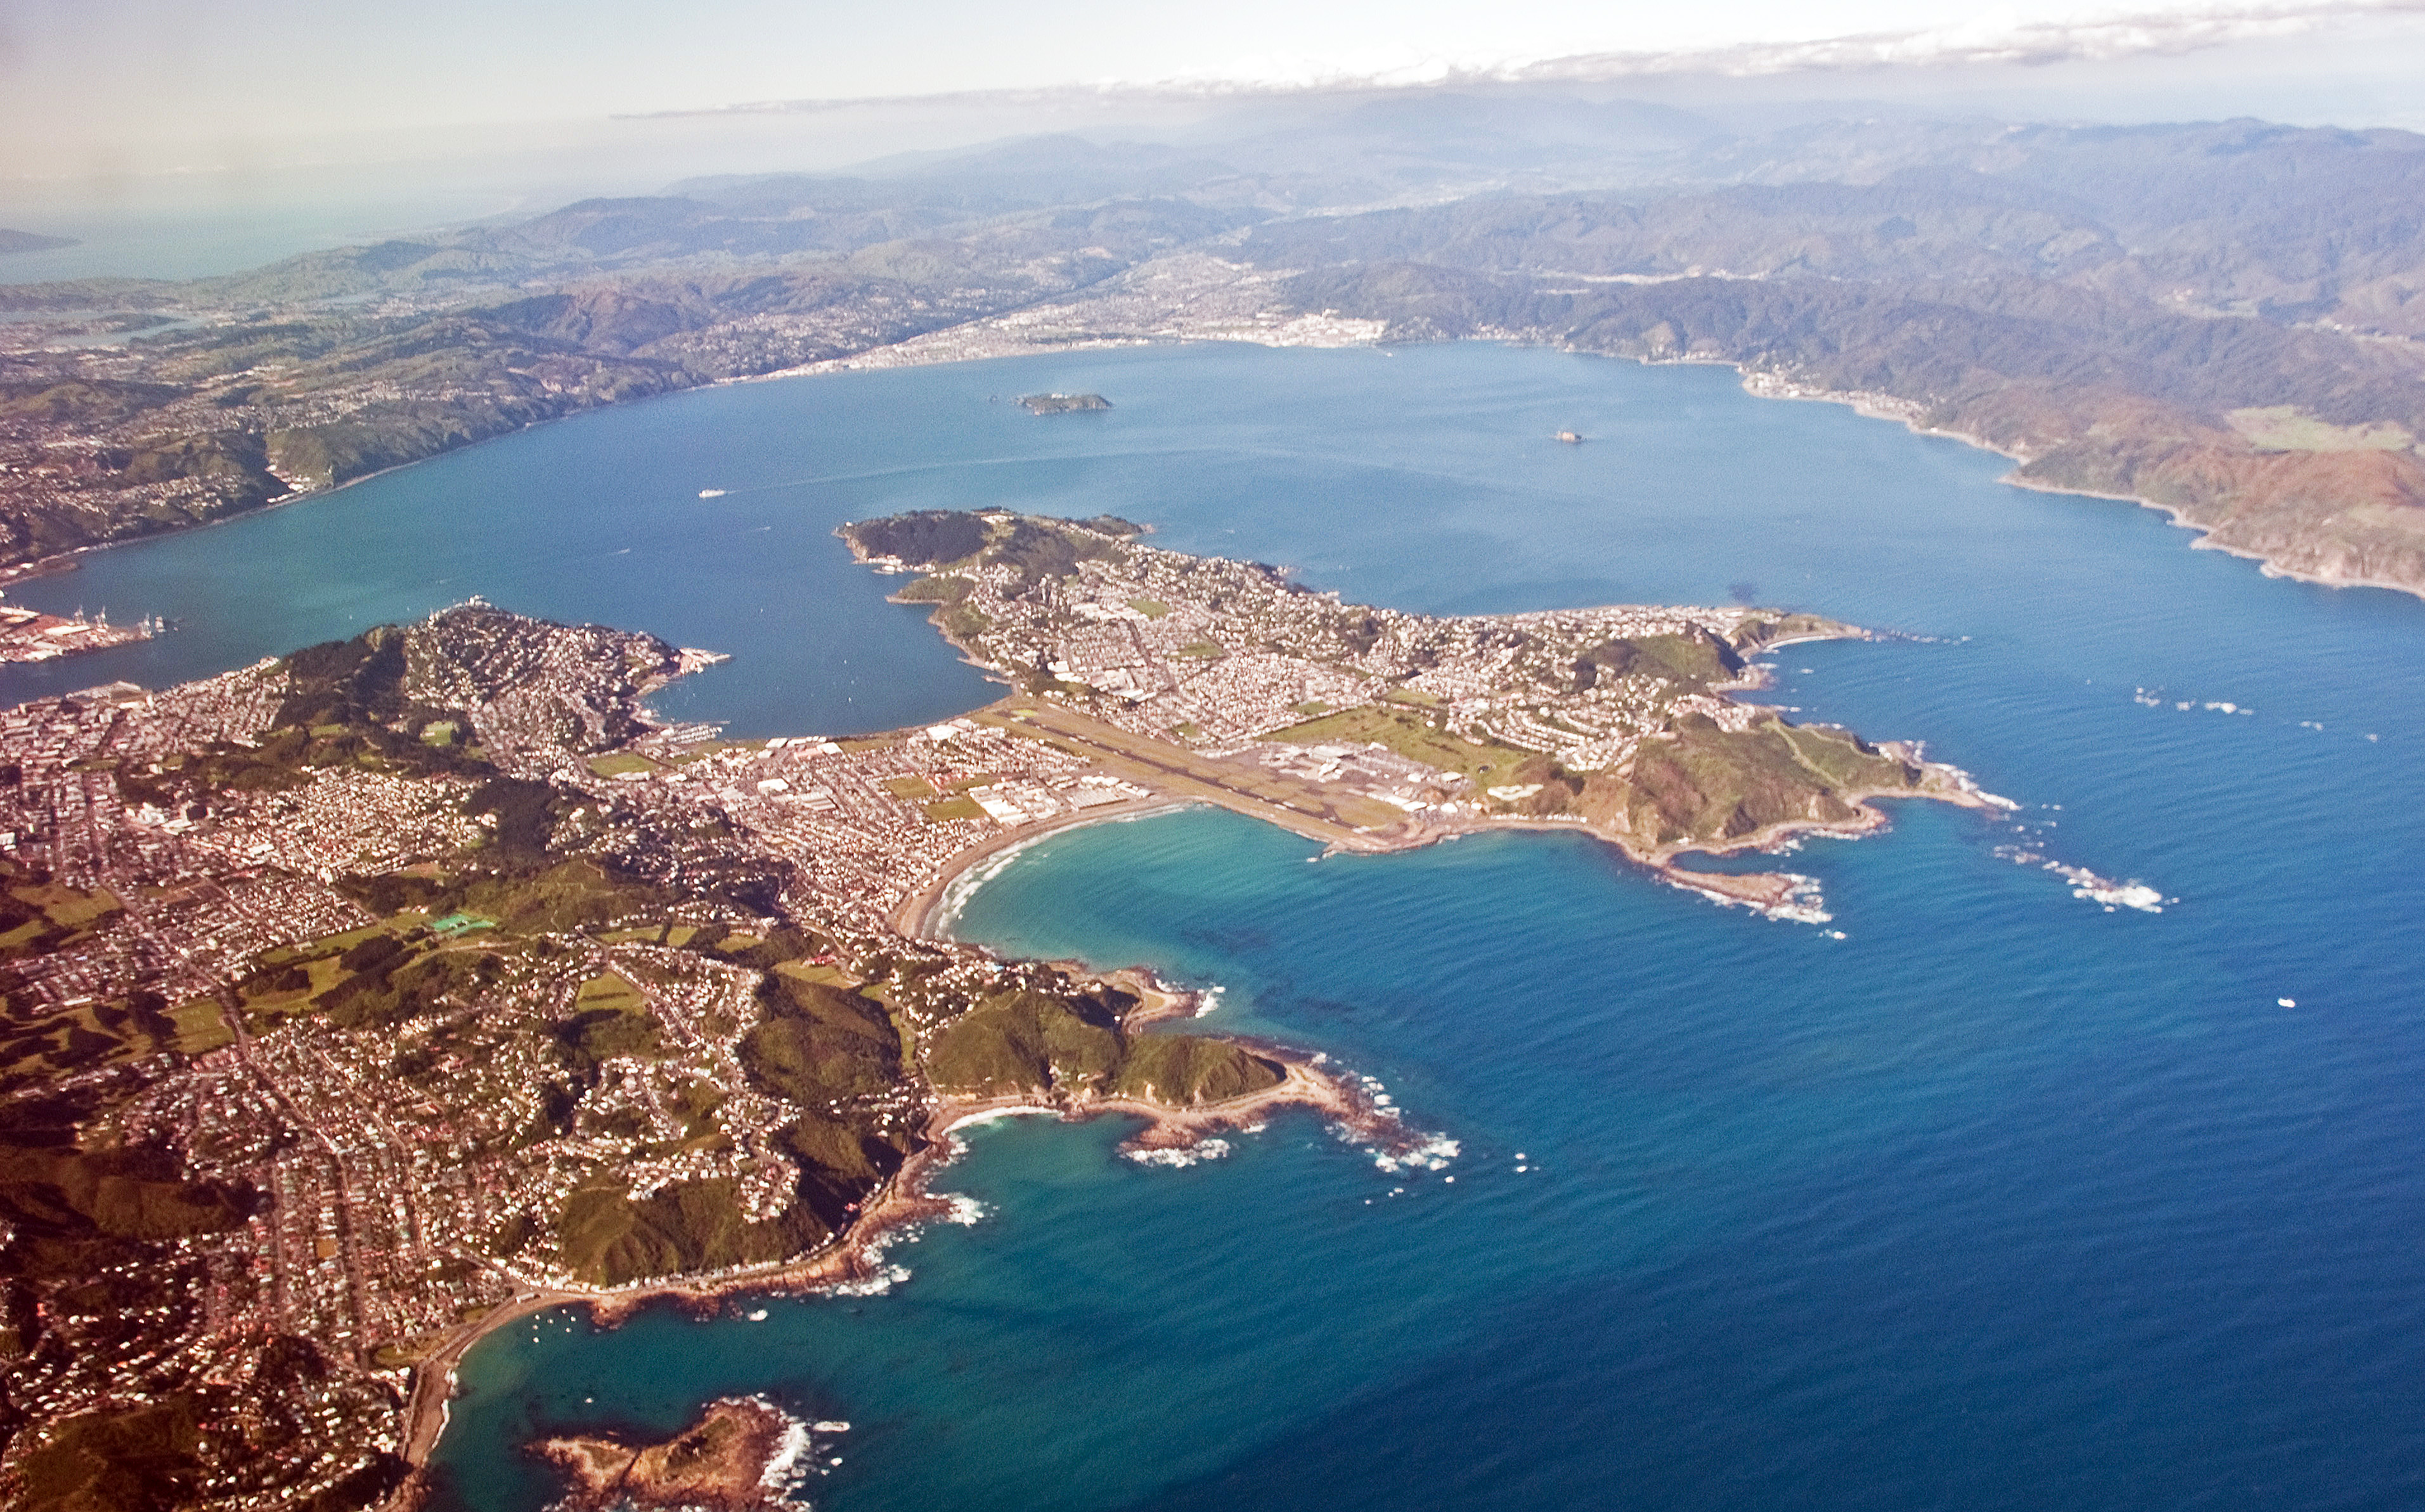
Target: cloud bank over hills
135, 87
1804, 44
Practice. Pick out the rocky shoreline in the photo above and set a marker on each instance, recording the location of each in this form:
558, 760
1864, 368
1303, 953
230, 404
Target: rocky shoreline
740, 1455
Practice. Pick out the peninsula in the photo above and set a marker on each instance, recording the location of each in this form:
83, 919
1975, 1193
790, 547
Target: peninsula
739, 1456
1208, 679
30, 635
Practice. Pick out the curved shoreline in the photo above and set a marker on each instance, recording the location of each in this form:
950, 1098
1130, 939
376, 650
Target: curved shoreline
1871, 406
917, 918
854, 1256
1758, 383
1767, 892
903, 1200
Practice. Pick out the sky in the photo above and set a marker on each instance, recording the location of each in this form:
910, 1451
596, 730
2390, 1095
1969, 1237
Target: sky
143, 82
447, 109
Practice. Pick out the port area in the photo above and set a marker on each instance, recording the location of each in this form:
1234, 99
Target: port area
31, 636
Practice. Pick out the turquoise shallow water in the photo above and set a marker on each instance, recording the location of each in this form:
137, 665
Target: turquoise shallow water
1999, 1200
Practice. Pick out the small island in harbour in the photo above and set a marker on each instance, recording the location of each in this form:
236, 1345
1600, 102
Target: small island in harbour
1061, 404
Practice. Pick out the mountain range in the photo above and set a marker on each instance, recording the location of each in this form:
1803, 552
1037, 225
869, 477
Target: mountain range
2222, 318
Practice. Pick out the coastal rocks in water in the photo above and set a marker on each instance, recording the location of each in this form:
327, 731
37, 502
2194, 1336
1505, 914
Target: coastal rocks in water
1787, 895
2089, 885
1061, 404
1177, 1157
742, 1455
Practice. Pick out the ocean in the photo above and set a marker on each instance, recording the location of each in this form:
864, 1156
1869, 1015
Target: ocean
1980, 1193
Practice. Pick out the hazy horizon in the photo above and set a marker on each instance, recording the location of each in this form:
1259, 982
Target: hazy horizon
145, 138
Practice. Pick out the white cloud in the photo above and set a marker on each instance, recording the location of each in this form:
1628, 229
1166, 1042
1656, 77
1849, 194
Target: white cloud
2001, 36
1749, 44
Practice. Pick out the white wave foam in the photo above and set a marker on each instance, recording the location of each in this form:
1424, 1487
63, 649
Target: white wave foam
884, 1273
1432, 1154
2129, 896
960, 1209
2154, 698
789, 1465
973, 1121
964, 887
1209, 998
965, 1211
1803, 903
2114, 894
879, 1284
1203, 1149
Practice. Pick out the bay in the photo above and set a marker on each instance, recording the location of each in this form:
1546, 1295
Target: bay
2000, 1199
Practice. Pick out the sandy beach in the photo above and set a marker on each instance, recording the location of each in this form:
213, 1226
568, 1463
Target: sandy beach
917, 918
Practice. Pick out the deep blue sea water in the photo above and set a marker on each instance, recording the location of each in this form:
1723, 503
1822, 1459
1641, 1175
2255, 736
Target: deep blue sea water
1999, 1200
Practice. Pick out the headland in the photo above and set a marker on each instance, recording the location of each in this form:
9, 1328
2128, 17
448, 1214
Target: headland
734, 1458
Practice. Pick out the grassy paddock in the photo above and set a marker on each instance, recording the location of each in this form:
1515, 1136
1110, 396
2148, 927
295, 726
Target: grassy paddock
1411, 736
